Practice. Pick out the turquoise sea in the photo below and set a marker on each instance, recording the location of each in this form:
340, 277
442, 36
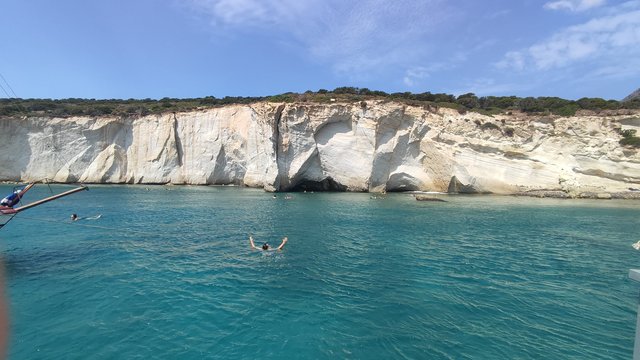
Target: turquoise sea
167, 273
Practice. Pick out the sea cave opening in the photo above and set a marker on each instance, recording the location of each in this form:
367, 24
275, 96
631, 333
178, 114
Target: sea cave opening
327, 184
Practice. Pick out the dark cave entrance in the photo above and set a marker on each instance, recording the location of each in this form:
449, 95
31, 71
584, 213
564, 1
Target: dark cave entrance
327, 184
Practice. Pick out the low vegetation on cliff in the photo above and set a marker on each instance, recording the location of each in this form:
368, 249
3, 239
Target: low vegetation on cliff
462, 103
629, 138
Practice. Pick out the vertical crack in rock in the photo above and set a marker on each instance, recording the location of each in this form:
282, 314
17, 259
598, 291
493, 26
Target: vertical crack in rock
276, 144
177, 139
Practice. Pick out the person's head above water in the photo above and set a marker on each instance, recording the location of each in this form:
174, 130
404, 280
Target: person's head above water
265, 246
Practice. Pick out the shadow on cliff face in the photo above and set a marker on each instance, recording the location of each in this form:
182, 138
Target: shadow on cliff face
15, 149
457, 187
327, 184
402, 182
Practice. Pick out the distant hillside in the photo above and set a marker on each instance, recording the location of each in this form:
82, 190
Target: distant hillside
632, 96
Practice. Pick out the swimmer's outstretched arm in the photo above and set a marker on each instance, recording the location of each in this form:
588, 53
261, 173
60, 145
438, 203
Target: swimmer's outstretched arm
284, 241
253, 246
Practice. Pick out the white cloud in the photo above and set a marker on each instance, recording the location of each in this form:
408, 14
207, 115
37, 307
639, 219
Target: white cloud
355, 37
489, 86
416, 73
574, 5
512, 59
602, 39
253, 13
498, 14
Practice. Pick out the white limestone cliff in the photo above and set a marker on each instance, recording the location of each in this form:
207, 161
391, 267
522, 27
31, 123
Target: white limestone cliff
364, 146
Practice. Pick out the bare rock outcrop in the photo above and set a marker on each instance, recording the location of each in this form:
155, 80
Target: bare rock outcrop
382, 146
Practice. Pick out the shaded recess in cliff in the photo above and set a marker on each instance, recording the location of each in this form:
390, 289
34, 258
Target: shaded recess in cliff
331, 129
327, 184
11, 169
310, 170
457, 187
277, 141
330, 140
219, 176
179, 149
399, 182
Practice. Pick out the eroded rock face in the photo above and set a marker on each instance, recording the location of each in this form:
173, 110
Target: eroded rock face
376, 146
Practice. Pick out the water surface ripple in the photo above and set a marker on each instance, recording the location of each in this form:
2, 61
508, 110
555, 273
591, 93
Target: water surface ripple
167, 272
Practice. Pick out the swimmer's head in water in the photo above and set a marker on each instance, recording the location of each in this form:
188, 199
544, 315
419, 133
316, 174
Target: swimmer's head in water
265, 246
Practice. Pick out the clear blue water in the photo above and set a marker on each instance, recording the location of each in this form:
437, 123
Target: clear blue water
168, 273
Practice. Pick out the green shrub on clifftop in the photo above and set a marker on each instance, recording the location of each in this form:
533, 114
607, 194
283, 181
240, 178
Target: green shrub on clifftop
488, 105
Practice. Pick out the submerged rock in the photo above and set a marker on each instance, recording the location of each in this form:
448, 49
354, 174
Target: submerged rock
627, 195
429, 198
595, 195
557, 194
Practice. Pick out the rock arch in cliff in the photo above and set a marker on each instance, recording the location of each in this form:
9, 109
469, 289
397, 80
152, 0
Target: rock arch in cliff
331, 138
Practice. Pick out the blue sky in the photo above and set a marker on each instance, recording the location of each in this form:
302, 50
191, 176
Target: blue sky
194, 48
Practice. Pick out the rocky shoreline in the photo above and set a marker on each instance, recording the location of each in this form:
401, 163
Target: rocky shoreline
559, 194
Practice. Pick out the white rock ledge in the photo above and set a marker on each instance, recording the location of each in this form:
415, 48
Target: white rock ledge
376, 146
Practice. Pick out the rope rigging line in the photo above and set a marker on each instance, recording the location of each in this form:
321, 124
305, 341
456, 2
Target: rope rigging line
75, 223
9, 86
159, 227
5, 91
8, 221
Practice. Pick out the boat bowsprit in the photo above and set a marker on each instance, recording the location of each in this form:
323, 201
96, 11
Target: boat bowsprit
10, 205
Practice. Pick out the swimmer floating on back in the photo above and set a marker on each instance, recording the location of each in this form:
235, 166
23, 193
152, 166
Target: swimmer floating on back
74, 217
265, 246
